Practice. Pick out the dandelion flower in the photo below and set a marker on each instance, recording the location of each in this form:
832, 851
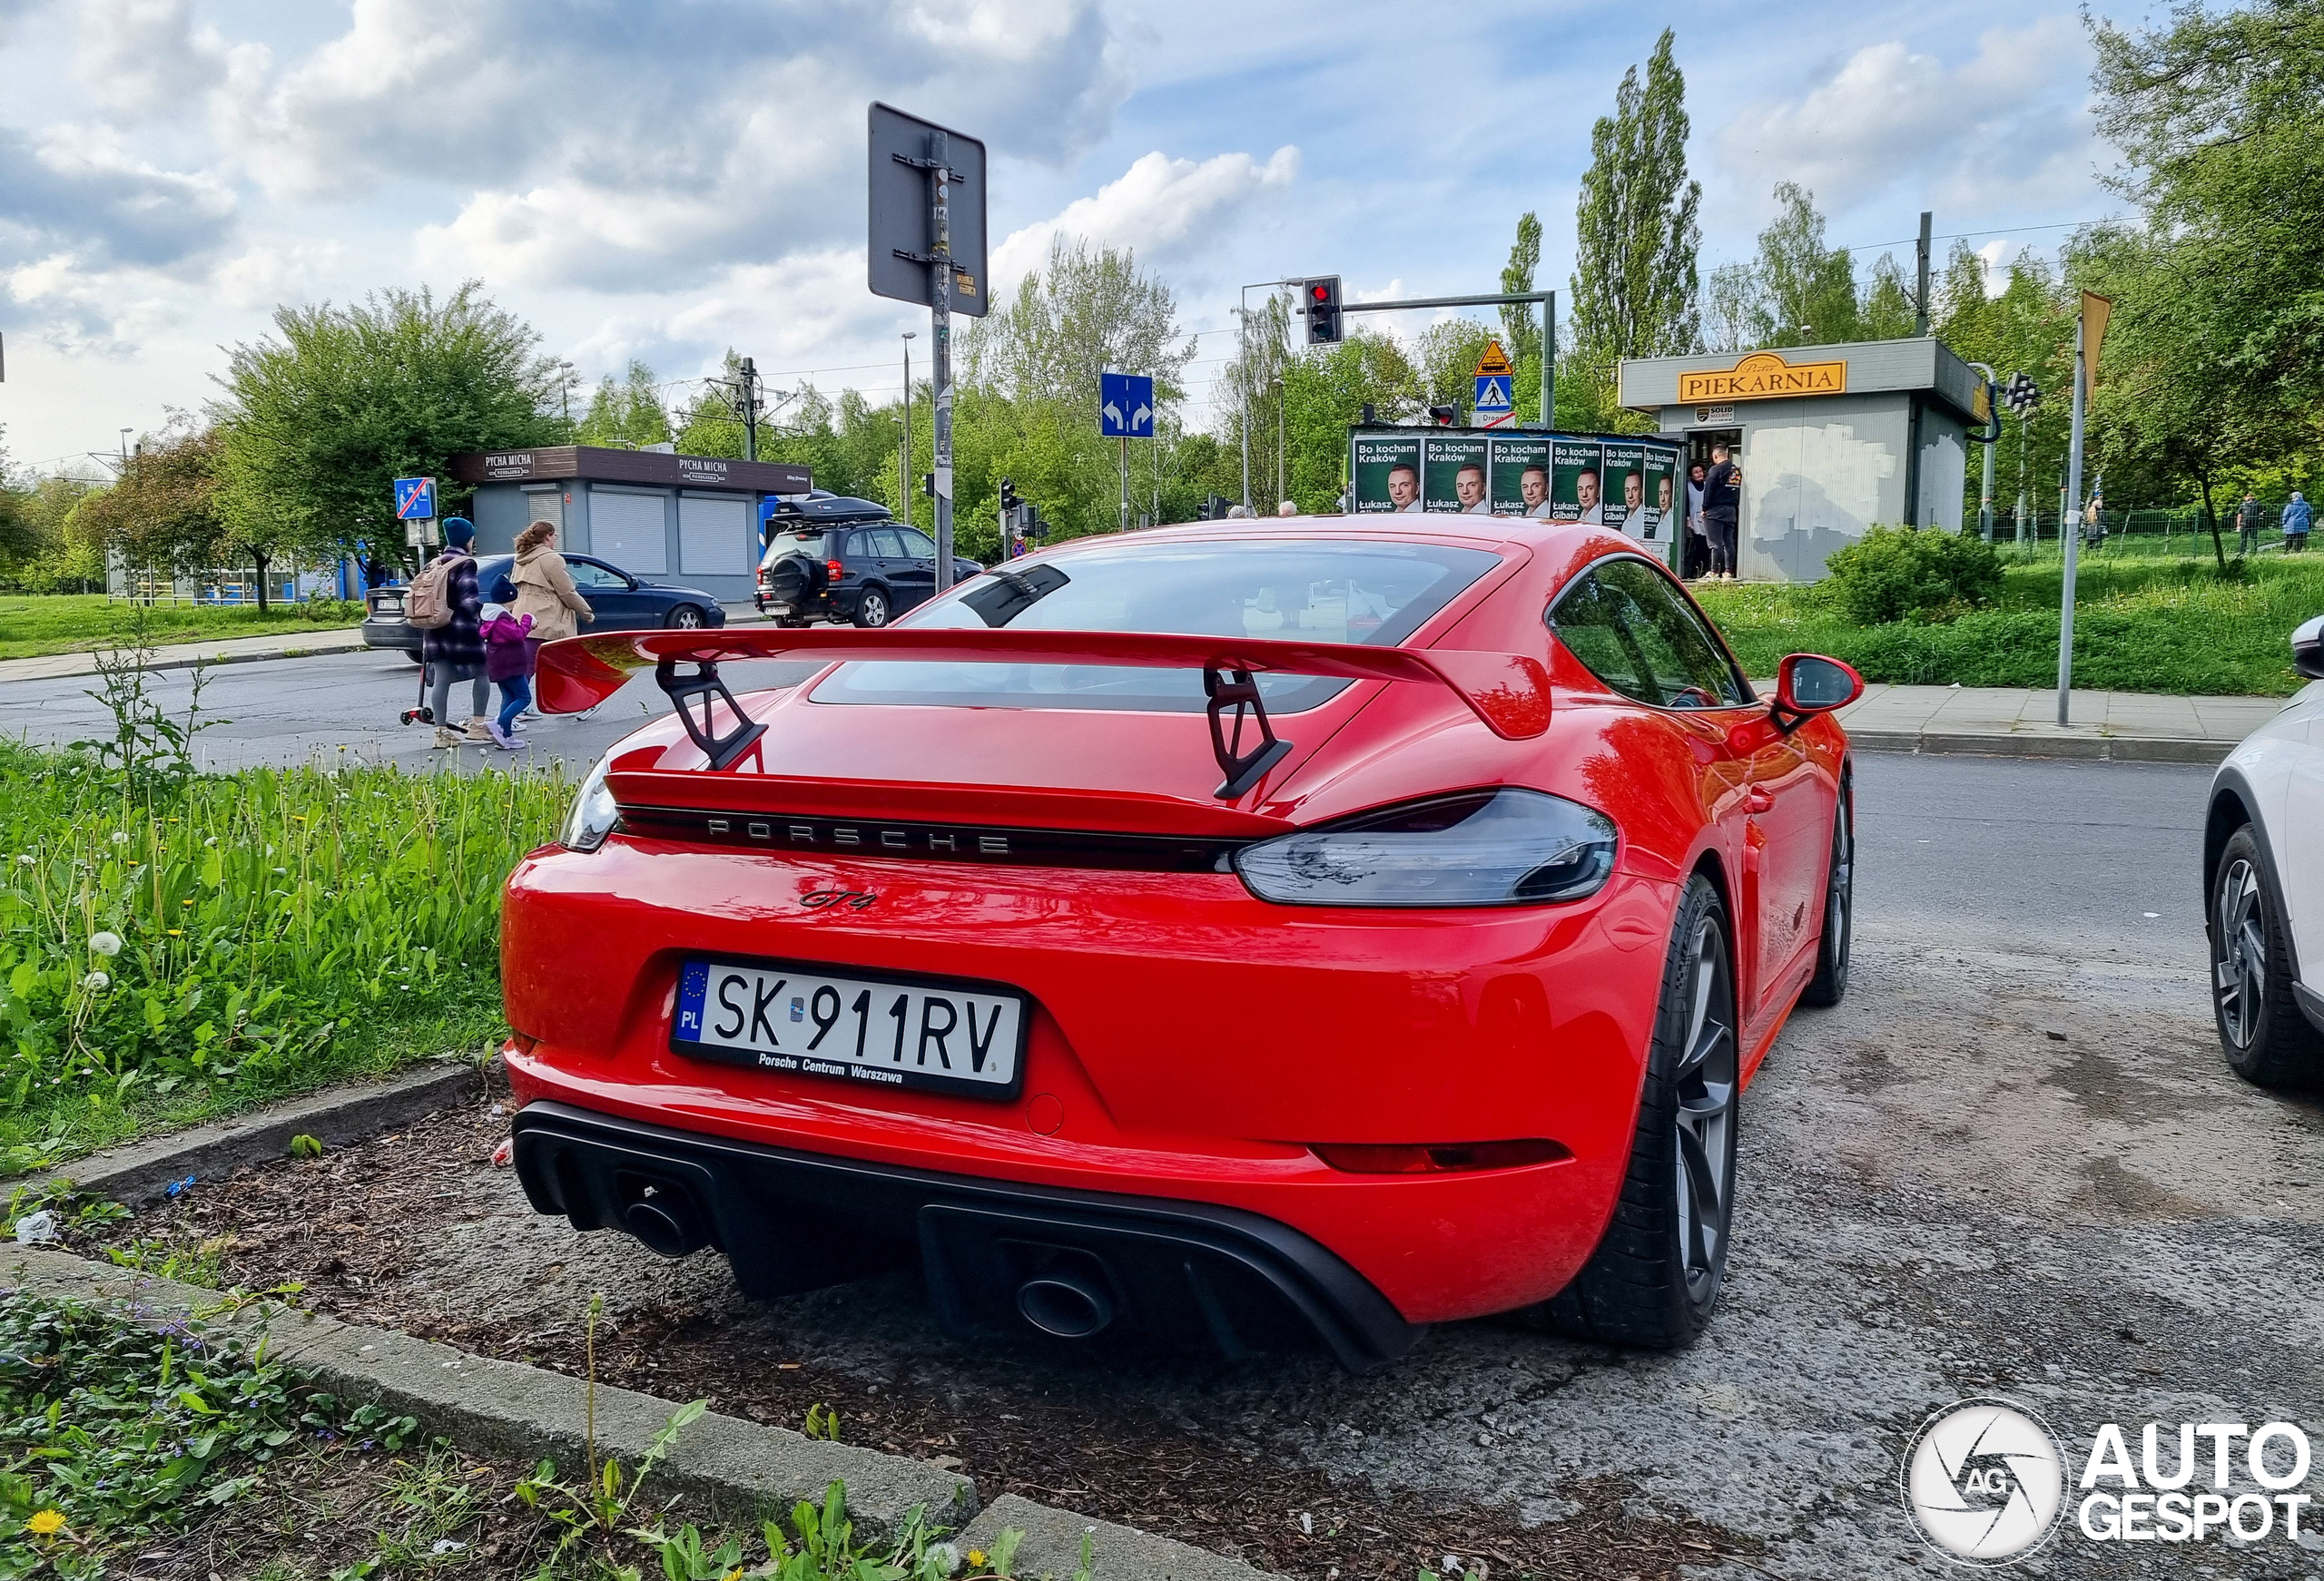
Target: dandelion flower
25, 861
96, 982
105, 944
176, 932
45, 1522
976, 1558
121, 837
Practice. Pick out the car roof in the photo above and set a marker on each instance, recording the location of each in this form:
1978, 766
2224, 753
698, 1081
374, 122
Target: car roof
1435, 527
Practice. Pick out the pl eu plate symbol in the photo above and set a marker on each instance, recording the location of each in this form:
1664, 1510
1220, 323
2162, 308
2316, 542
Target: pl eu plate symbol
1984, 1482
1125, 405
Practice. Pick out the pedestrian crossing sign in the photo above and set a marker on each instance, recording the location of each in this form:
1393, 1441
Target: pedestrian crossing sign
1493, 404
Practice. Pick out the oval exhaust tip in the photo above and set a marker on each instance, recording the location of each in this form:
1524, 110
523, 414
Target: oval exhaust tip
1065, 1306
664, 1225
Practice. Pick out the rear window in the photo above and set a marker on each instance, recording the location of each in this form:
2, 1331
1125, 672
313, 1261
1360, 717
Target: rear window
809, 542
1326, 591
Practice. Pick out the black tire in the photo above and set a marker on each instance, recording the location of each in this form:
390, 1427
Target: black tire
1831, 979
1657, 1273
872, 608
414, 655
2261, 1031
686, 617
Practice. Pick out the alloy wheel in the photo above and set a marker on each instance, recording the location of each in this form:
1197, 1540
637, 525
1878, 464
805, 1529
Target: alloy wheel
686, 617
874, 609
2240, 952
1705, 1082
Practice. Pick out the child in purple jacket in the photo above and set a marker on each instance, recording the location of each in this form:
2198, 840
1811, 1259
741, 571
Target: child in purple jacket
508, 664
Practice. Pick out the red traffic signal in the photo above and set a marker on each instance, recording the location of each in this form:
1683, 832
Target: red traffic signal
1320, 300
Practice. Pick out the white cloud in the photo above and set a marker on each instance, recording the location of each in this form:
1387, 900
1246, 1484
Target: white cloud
1990, 131
1156, 207
146, 58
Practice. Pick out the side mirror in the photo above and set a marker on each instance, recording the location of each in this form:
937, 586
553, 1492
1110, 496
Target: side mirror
2308, 649
1809, 684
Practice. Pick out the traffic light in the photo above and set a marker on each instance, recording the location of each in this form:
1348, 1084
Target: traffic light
1007, 498
1034, 527
1321, 298
927, 484
1444, 417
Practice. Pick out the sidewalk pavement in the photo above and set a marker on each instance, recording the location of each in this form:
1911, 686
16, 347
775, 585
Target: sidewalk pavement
242, 650
2119, 726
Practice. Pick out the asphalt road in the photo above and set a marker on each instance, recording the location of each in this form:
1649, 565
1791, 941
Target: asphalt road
2012, 1163
293, 711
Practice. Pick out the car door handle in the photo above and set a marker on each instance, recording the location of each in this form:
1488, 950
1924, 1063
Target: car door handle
1758, 799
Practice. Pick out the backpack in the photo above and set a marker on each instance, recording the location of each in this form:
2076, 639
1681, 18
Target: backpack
427, 604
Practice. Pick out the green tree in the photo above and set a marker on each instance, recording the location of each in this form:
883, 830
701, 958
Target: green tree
1888, 312
627, 416
1636, 232
318, 419
1521, 322
1730, 310
163, 513
1808, 290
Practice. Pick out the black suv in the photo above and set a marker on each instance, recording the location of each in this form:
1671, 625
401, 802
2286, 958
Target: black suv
846, 560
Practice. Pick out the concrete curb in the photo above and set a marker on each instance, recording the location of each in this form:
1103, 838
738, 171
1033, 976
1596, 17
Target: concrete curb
1052, 1547
139, 1173
2009, 744
741, 1470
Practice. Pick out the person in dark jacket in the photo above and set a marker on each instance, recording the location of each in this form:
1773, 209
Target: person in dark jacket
2249, 517
1722, 498
454, 651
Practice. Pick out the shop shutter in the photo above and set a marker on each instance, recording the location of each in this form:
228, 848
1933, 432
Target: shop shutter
627, 530
713, 537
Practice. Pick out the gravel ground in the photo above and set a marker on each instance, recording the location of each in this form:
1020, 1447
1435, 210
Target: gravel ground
2019, 1169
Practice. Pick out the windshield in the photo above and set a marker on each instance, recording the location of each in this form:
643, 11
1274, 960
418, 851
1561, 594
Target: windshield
1325, 591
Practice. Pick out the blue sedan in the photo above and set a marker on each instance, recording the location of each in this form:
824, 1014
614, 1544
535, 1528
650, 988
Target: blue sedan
622, 603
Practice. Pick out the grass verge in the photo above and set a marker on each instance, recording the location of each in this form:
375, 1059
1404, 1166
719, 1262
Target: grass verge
73, 623
2150, 624
205, 944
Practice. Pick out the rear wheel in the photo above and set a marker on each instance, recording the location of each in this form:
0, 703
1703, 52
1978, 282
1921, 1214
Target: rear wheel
1655, 1276
414, 655
1831, 979
872, 609
2266, 1038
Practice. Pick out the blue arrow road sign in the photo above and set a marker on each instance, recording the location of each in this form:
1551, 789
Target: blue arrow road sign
415, 499
1125, 405
1493, 394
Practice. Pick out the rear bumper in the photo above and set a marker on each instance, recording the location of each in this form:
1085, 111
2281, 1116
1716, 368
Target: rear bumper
395, 634
998, 1256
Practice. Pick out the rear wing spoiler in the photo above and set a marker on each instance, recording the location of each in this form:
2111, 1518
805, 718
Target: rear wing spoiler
1509, 691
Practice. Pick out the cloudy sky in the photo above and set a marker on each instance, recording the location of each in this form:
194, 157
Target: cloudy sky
665, 178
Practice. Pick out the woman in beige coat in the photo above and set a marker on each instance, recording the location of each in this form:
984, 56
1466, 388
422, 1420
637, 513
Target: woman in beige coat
545, 587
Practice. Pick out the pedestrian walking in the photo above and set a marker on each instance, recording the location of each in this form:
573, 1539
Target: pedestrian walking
2297, 519
1698, 540
2094, 522
1722, 501
454, 650
508, 665
544, 590
2249, 517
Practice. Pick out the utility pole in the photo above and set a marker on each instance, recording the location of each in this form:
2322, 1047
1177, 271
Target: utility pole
1282, 478
750, 409
1920, 311
903, 448
1243, 394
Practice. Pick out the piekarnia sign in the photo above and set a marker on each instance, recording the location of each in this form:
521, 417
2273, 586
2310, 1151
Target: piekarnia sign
1762, 376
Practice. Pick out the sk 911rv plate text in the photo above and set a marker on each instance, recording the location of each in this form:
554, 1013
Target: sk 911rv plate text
888, 1031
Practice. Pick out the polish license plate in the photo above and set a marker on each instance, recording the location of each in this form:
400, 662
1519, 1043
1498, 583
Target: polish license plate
930, 1033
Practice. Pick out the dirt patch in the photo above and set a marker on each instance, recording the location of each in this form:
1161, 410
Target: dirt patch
372, 1233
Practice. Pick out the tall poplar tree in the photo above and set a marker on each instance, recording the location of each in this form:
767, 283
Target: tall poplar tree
1636, 231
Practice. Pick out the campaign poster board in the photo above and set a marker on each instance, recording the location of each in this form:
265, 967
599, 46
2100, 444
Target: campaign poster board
1387, 473
1520, 477
1443, 460
1623, 480
1576, 465
1665, 502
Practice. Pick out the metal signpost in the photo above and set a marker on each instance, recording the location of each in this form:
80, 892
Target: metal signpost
1126, 412
927, 188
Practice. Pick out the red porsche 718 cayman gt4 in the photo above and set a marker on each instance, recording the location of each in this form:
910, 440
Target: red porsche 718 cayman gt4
1268, 932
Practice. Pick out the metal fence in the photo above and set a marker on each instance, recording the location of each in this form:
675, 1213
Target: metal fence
2161, 534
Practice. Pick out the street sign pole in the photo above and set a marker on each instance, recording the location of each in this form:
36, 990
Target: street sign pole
1124, 444
940, 317
2070, 535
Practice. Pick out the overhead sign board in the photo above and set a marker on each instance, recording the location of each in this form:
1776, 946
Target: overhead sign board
415, 499
903, 225
1125, 405
1763, 376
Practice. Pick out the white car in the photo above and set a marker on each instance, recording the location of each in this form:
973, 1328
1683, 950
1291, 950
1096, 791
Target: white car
2263, 879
